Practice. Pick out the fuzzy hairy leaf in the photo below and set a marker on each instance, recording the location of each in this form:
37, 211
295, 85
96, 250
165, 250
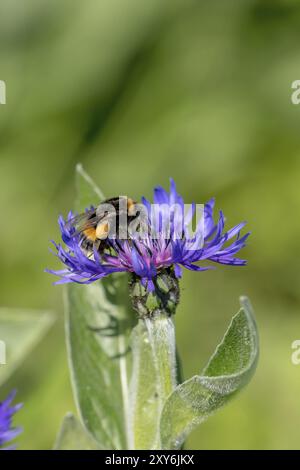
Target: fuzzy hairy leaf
72, 436
229, 369
98, 325
87, 192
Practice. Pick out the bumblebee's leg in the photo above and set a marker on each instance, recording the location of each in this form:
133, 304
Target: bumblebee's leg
87, 246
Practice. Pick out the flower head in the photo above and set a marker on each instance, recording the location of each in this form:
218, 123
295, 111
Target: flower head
7, 432
167, 243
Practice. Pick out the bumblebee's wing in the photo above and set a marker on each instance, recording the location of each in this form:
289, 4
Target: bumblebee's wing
83, 221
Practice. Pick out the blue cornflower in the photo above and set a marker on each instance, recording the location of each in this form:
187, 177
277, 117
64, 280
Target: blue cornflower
147, 256
7, 431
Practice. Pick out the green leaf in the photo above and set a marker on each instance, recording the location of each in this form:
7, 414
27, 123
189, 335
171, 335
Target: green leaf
229, 369
72, 436
87, 192
98, 325
20, 332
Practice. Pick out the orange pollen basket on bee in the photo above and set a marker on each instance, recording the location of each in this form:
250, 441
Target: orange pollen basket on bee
90, 234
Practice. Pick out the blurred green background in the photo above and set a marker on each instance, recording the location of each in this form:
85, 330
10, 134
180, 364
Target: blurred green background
139, 91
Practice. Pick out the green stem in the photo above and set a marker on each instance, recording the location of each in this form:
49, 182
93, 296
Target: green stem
161, 333
153, 379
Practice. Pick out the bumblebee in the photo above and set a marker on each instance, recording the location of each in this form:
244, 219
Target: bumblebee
97, 225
